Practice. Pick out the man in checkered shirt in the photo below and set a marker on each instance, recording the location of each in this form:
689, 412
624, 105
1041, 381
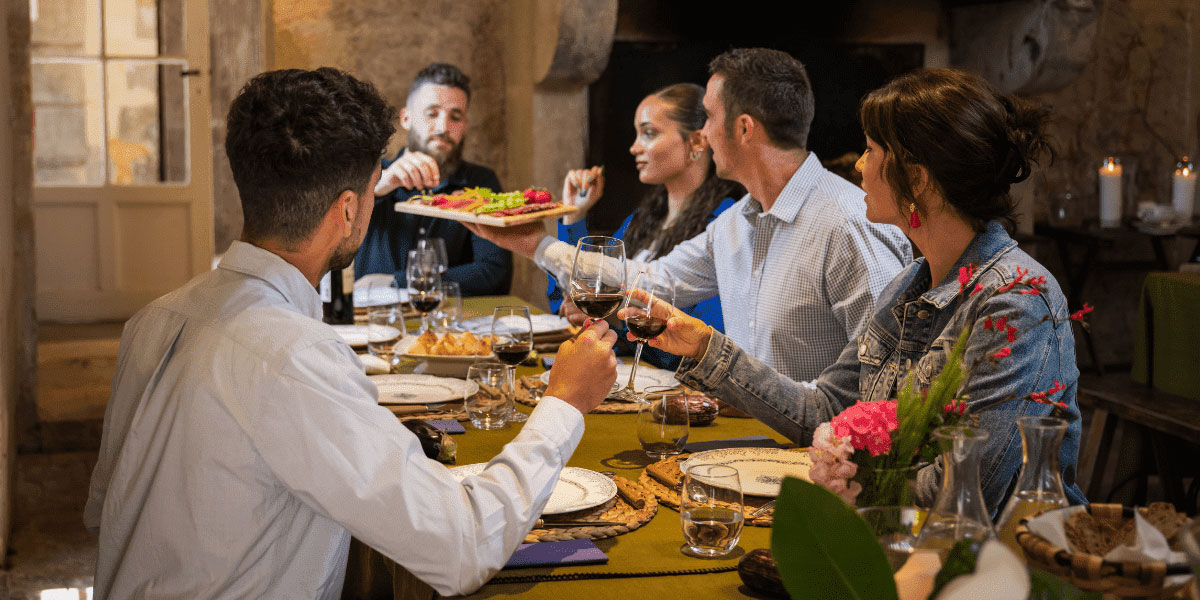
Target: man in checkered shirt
796, 263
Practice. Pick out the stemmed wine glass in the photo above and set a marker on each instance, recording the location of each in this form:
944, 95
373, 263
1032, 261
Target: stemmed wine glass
651, 288
598, 276
424, 283
512, 341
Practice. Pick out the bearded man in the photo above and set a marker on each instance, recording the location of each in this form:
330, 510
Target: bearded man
435, 117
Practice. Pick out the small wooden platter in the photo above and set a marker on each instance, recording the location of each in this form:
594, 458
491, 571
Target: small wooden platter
417, 208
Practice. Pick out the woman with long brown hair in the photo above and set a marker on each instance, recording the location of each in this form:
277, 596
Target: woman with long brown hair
671, 155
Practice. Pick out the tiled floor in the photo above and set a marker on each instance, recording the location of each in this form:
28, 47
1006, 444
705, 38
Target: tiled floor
50, 547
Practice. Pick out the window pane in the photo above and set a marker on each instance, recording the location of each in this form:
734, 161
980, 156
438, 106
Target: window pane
131, 28
68, 127
65, 28
147, 122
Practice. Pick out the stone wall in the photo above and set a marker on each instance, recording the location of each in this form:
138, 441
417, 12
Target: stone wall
1132, 101
387, 42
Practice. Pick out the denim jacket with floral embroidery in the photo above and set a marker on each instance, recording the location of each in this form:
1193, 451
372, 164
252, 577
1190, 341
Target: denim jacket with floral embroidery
914, 327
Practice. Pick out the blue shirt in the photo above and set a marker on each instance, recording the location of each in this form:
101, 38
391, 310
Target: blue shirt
914, 327
480, 267
708, 311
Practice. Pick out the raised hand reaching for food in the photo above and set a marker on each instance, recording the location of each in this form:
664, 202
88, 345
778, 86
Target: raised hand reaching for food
581, 189
411, 170
685, 335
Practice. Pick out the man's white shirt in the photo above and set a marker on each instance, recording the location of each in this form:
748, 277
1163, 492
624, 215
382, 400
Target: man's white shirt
243, 446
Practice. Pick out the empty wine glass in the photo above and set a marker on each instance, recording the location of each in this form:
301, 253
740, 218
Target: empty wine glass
384, 328
449, 313
512, 341
598, 276
438, 247
710, 510
424, 283
655, 288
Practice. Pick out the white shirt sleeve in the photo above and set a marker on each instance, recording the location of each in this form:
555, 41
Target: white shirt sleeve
325, 438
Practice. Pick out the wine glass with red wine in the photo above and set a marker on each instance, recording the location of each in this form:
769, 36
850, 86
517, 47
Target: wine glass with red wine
424, 283
642, 318
598, 276
512, 341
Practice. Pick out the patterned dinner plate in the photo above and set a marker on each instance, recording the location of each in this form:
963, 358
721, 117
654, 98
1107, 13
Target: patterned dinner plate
761, 470
421, 389
577, 489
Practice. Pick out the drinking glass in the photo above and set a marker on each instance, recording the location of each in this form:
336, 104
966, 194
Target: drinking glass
662, 422
384, 328
710, 510
438, 247
424, 283
512, 341
490, 407
598, 276
896, 528
449, 314
640, 316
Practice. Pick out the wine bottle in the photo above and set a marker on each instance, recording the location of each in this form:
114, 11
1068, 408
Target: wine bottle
337, 296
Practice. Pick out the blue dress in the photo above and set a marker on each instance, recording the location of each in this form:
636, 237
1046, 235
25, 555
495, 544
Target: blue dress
708, 311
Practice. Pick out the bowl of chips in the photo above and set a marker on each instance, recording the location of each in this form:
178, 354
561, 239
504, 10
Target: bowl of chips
446, 355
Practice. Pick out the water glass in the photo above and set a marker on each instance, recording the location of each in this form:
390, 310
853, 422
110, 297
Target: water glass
490, 407
710, 510
449, 313
384, 328
662, 422
896, 528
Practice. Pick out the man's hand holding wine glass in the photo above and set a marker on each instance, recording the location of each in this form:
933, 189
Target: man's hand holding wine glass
585, 368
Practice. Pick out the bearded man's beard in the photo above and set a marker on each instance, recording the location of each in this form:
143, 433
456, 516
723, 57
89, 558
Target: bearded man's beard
448, 160
344, 254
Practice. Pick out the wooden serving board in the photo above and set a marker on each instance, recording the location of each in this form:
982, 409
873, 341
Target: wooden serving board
467, 217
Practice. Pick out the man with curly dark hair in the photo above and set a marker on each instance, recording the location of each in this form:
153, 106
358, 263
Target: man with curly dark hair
435, 117
243, 444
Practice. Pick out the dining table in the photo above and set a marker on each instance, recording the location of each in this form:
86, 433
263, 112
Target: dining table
645, 562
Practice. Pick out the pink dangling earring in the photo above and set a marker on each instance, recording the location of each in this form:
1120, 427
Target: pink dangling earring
914, 220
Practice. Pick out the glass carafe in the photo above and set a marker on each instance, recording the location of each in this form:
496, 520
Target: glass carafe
959, 511
1039, 487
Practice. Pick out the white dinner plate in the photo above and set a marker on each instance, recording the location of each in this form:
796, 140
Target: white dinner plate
577, 489
761, 470
355, 335
541, 324
421, 389
647, 377
379, 296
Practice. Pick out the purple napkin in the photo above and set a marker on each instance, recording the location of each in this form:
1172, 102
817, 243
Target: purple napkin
753, 441
549, 554
448, 425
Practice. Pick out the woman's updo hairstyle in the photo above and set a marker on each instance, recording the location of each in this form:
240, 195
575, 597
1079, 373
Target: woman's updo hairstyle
973, 141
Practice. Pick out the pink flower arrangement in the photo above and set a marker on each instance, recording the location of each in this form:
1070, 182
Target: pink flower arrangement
832, 467
866, 426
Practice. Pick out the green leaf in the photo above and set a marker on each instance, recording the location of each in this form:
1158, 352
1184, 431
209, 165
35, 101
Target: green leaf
960, 561
1046, 586
823, 549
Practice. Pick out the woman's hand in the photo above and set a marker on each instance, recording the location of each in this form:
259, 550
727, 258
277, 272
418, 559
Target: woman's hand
685, 335
582, 188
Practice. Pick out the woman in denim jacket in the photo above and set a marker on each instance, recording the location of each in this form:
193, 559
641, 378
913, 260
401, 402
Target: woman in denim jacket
943, 148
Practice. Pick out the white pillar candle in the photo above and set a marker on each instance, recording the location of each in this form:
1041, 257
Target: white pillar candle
1183, 191
1110, 193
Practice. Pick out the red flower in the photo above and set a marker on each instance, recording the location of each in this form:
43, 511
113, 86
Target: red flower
1011, 334
1031, 292
1003, 353
964, 275
1021, 273
978, 288
1000, 323
987, 323
1078, 315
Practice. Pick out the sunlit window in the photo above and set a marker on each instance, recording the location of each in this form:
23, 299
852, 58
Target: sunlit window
66, 594
109, 92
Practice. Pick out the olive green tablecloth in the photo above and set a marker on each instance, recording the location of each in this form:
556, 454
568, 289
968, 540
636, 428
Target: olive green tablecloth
1167, 333
610, 444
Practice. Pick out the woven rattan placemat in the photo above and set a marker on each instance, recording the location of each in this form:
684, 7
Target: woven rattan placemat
621, 508
664, 478
526, 395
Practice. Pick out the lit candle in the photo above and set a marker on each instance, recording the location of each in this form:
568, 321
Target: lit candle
1110, 192
1183, 190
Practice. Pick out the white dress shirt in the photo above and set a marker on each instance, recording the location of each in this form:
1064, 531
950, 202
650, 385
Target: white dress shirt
797, 282
243, 446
